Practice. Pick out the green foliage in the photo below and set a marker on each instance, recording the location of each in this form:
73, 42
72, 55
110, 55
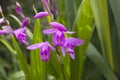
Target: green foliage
92, 62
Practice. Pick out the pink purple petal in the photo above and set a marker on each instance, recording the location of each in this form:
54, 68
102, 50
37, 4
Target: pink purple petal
2, 32
25, 21
48, 31
62, 50
8, 29
58, 26
75, 41
72, 55
35, 46
19, 10
41, 14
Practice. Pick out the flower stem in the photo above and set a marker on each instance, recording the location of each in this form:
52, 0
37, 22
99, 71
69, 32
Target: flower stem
63, 70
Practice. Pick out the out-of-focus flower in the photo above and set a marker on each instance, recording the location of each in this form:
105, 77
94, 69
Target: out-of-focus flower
69, 45
57, 30
2, 20
44, 50
46, 5
54, 9
2, 32
41, 14
20, 35
6, 30
19, 10
25, 21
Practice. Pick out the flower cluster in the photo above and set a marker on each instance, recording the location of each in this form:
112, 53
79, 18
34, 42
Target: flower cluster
19, 33
59, 40
57, 30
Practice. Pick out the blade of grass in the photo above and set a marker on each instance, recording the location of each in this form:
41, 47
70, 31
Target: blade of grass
115, 5
99, 8
21, 58
8, 46
70, 13
100, 63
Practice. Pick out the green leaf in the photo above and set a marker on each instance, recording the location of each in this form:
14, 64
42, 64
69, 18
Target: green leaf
83, 27
8, 46
115, 5
37, 66
16, 19
70, 13
99, 8
21, 58
17, 76
100, 63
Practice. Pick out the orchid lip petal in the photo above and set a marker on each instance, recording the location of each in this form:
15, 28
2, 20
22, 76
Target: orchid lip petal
58, 26
35, 46
58, 38
48, 31
41, 14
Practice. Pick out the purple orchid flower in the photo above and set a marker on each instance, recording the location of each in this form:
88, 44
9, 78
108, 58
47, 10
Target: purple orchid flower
46, 4
19, 10
69, 45
2, 20
6, 30
58, 31
25, 21
41, 14
44, 49
20, 35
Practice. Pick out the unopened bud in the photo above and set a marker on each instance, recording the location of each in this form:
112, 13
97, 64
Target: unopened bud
0, 9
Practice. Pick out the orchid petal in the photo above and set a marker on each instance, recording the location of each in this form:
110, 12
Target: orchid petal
2, 32
19, 10
48, 44
48, 31
41, 14
62, 50
8, 29
35, 46
45, 52
58, 38
58, 26
25, 21
76, 41
72, 55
